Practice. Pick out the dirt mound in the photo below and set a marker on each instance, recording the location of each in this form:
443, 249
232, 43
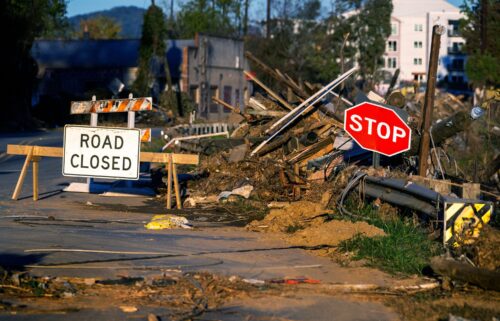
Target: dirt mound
306, 224
332, 233
297, 215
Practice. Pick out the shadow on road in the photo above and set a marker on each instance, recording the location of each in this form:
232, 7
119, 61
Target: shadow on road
44, 195
10, 261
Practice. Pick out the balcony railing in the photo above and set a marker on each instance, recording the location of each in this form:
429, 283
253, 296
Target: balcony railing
455, 68
455, 51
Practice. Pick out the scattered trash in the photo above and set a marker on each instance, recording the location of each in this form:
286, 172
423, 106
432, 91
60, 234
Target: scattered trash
168, 221
298, 280
243, 191
128, 308
254, 281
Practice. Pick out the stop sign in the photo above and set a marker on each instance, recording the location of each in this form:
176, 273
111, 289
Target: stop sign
377, 128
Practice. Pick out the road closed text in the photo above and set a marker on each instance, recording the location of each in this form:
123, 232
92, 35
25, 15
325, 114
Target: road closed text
95, 141
101, 152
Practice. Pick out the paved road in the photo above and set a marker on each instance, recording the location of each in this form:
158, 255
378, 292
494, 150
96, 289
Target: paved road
111, 239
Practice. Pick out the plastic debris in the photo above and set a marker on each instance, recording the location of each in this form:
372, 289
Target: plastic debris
168, 221
243, 191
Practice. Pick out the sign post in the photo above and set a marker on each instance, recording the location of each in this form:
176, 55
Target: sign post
112, 153
377, 128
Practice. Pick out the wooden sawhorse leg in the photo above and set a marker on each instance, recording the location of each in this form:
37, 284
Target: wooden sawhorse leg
172, 174
22, 175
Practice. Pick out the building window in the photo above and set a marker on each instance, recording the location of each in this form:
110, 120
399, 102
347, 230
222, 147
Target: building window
417, 61
392, 45
391, 62
417, 44
419, 27
394, 29
453, 28
214, 107
227, 97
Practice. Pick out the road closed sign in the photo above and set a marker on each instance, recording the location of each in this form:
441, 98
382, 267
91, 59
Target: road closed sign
101, 152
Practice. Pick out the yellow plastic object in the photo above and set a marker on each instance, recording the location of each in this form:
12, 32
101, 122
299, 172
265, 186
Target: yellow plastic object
168, 221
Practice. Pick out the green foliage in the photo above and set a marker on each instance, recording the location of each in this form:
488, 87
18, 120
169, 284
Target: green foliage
483, 69
217, 17
405, 249
290, 229
307, 47
483, 48
153, 45
22, 22
100, 27
129, 18
373, 27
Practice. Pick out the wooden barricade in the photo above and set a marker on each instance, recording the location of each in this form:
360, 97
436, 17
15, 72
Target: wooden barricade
35, 153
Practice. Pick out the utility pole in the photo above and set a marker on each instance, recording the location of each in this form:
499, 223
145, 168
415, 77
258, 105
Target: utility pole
245, 17
484, 26
268, 19
423, 154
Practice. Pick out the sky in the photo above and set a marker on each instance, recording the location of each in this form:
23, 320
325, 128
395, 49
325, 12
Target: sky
76, 7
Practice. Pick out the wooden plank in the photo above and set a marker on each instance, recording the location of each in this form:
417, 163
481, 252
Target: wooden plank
22, 175
311, 150
322, 152
37, 150
185, 159
270, 113
36, 159
269, 91
43, 151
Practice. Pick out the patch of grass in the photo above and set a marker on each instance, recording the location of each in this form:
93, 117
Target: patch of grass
290, 229
405, 249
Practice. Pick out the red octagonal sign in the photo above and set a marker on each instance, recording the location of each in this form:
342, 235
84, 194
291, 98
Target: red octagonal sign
377, 128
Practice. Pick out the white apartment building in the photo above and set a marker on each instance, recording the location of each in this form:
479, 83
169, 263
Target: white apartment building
408, 47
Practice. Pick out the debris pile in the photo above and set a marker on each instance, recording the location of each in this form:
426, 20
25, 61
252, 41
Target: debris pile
291, 155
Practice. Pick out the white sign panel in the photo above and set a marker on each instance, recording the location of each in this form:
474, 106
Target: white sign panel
101, 152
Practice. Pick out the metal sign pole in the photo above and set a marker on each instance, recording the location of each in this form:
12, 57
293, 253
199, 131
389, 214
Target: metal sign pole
130, 124
376, 160
93, 123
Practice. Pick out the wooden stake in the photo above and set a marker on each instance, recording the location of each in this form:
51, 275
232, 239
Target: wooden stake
423, 154
176, 187
169, 182
35, 177
22, 175
296, 189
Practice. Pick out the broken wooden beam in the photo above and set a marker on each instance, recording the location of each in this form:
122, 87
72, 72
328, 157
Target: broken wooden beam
43, 151
324, 146
269, 91
455, 270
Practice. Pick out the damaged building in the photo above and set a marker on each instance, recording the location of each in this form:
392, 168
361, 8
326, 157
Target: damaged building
202, 67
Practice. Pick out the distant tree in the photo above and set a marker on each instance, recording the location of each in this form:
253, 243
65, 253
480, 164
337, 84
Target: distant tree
100, 27
153, 64
369, 22
480, 28
153, 47
23, 21
216, 17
